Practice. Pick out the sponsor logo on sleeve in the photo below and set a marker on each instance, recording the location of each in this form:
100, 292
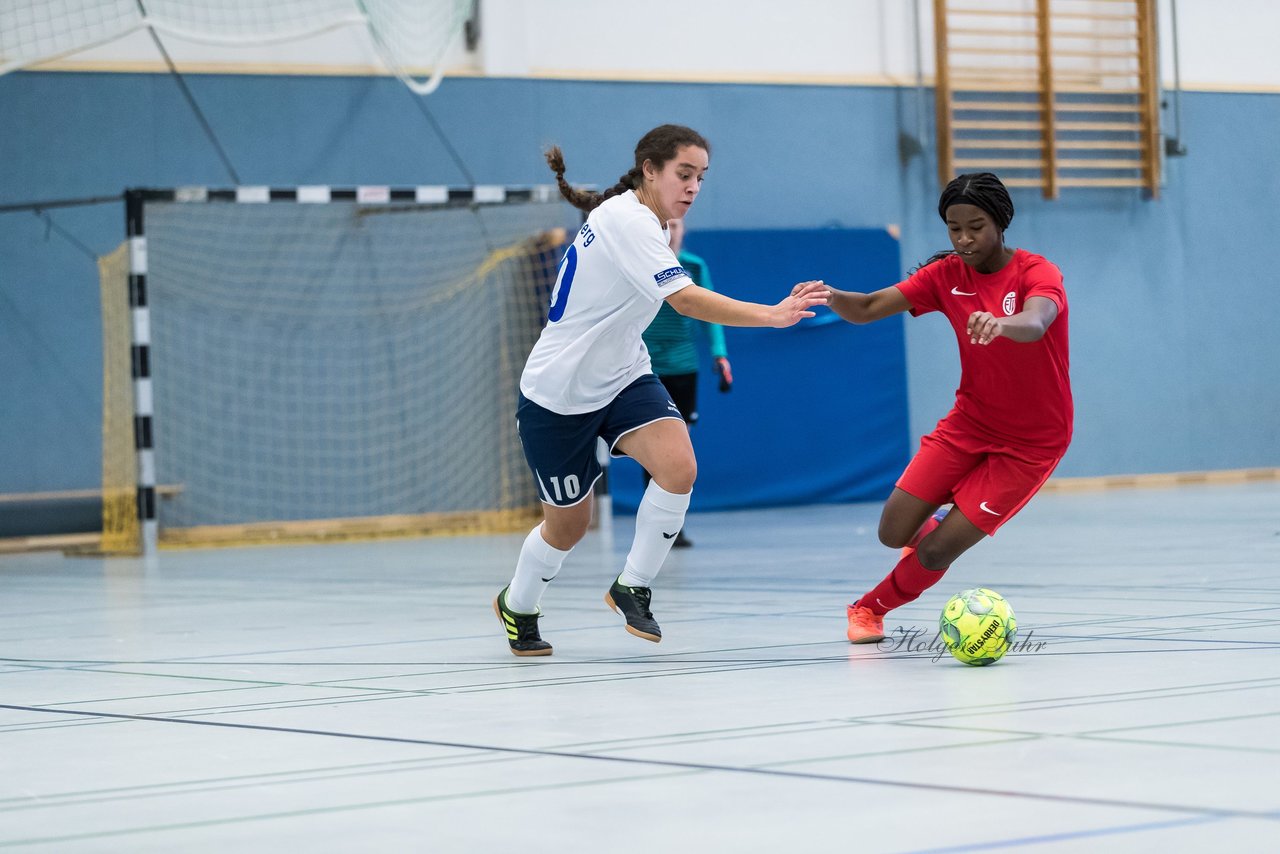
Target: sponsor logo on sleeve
669, 274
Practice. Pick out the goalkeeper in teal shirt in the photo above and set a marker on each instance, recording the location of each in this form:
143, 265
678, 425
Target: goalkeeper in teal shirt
673, 351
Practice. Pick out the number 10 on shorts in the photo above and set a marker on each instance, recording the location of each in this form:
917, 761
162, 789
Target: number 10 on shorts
571, 487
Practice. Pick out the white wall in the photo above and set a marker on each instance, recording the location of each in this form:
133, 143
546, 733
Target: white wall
1223, 44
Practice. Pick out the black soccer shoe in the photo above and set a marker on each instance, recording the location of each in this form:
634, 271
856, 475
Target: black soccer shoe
522, 629
633, 603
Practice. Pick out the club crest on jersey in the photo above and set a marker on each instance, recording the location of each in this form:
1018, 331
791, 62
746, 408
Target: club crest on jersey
667, 275
1010, 302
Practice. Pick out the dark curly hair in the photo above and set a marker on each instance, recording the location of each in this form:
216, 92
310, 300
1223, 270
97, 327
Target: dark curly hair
657, 146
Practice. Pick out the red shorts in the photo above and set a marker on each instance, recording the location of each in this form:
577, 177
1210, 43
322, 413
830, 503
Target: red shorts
987, 481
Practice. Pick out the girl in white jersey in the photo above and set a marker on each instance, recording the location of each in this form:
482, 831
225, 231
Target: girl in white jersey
589, 376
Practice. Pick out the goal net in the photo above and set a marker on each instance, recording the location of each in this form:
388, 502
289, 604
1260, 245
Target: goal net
331, 370
410, 38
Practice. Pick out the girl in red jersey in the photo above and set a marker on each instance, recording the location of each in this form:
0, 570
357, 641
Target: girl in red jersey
1011, 422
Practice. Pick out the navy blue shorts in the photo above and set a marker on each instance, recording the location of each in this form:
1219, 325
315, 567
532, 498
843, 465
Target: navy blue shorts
561, 449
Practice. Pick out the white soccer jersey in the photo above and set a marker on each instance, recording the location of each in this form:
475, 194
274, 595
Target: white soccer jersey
612, 281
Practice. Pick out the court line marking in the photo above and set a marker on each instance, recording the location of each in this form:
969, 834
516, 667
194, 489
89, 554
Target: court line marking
666, 763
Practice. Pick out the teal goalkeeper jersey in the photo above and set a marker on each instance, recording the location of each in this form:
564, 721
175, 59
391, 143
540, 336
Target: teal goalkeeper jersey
670, 337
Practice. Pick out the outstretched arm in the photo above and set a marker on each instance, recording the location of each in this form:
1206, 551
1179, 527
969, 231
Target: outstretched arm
702, 304
864, 308
1026, 326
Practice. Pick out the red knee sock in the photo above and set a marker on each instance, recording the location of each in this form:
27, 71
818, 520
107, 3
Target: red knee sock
904, 584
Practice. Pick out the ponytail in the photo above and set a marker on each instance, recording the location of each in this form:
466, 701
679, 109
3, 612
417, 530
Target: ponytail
584, 200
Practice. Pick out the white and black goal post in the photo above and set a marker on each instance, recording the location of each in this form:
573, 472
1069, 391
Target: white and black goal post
316, 363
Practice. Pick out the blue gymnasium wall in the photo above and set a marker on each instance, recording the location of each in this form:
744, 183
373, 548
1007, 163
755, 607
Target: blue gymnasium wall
818, 411
1175, 362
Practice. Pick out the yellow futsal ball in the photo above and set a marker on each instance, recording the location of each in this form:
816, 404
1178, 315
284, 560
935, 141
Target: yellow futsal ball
978, 626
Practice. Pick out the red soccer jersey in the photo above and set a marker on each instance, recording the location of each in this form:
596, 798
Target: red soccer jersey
1014, 394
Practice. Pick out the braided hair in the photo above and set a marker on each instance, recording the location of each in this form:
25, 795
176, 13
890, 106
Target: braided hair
982, 190
657, 146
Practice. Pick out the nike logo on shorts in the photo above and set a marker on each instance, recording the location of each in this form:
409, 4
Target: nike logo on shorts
985, 509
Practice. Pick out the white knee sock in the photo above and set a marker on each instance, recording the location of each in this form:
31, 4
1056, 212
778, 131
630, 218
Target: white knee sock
538, 564
658, 519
